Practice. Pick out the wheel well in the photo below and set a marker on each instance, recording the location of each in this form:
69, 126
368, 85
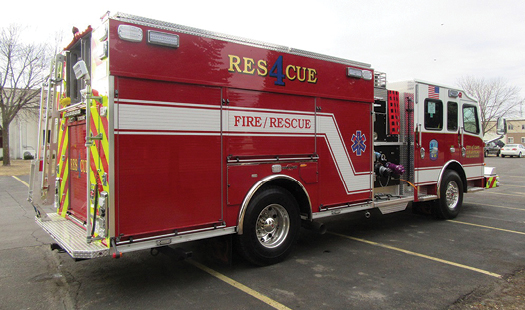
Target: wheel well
293, 186
460, 171
297, 191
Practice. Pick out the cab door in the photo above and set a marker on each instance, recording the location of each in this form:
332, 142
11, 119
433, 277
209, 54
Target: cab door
432, 137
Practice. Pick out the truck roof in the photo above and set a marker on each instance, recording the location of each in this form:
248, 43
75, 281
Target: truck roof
220, 36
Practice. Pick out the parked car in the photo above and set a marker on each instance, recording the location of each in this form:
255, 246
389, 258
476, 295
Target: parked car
513, 150
492, 148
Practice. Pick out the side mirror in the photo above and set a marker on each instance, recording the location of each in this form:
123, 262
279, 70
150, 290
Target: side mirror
501, 127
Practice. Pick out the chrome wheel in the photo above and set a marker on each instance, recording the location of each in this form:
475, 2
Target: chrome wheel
273, 225
452, 195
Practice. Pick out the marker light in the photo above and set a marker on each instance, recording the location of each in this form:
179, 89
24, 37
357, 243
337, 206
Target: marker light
367, 75
453, 93
130, 33
359, 74
163, 38
355, 73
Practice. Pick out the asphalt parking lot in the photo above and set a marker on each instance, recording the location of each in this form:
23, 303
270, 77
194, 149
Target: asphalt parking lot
397, 261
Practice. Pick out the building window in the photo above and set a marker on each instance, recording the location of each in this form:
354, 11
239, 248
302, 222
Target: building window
511, 127
522, 139
522, 127
511, 140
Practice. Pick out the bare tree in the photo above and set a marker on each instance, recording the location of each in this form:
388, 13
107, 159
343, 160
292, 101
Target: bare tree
22, 72
496, 98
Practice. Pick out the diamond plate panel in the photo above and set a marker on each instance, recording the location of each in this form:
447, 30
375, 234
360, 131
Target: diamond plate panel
71, 237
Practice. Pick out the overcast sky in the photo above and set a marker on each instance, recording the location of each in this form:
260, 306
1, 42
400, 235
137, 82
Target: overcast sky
436, 41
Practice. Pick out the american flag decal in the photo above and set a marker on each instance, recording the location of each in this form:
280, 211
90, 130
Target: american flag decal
433, 92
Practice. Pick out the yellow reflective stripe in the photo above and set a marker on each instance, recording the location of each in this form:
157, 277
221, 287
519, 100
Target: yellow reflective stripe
491, 182
63, 167
96, 158
63, 188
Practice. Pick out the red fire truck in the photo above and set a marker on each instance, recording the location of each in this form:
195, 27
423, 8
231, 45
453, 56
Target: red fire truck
154, 134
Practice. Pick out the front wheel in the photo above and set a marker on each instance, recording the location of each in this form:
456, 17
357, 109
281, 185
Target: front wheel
271, 226
451, 196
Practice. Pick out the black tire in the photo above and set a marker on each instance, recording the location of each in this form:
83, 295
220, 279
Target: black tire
486, 153
271, 225
497, 154
451, 196
502, 156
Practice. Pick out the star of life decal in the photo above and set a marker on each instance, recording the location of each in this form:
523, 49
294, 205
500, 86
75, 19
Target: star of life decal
359, 145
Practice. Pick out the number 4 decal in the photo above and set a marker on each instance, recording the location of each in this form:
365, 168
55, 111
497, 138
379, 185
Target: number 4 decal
277, 71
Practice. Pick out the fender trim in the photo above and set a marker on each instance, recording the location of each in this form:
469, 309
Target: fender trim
256, 187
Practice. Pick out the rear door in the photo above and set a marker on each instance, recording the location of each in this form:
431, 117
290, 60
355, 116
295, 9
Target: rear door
77, 170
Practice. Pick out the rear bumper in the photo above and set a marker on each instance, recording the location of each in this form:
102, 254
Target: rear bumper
71, 237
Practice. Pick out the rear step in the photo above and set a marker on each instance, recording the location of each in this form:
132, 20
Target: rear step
71, 237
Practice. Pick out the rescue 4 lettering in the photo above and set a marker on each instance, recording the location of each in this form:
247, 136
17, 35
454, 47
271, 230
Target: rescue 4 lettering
278, 71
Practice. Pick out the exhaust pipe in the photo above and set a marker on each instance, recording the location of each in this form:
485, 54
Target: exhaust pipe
367, 215
316, 226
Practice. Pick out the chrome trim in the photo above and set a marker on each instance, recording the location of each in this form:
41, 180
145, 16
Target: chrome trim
427, 197
272, 160
110, 219
475, 189
329, 212
255, 188
440, 177
149, 243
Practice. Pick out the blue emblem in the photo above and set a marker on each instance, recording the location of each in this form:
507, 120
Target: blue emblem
433, 149
359, 145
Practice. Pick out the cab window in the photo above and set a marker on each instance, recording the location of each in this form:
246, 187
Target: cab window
452, 116
433, 114
470, 119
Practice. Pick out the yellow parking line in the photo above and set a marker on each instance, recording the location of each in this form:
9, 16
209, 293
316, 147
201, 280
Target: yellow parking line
489, 227
513, 185
419, 255
503, 207
239, 286
21, 181
494, 193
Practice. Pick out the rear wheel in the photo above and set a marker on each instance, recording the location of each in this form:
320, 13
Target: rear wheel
451, 196
271, 226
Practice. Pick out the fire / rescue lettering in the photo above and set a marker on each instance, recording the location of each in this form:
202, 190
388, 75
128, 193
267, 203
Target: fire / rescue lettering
278, 70
272, 122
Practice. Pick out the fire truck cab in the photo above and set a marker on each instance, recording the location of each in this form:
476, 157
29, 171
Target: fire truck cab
154, 134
